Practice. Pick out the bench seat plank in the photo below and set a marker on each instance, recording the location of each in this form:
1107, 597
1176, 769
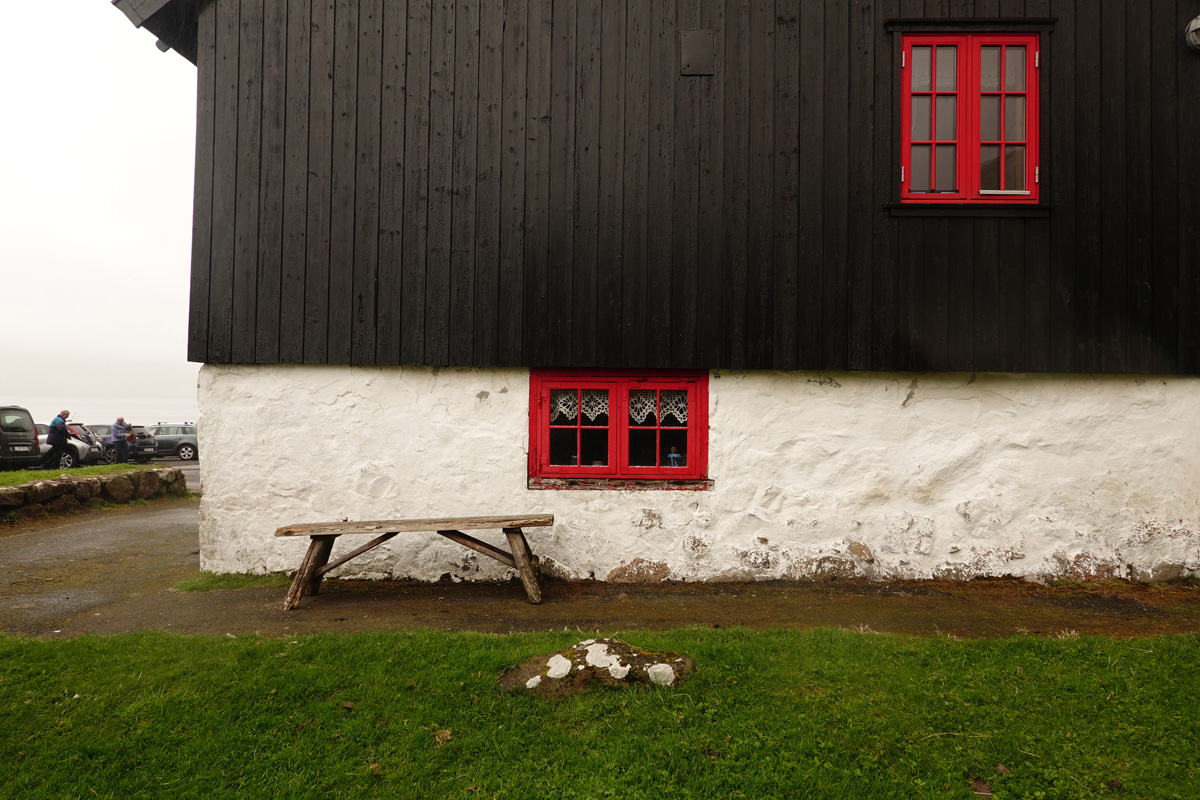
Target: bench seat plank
414, 525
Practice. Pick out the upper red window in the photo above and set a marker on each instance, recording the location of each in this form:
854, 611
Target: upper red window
970, 118
618, 424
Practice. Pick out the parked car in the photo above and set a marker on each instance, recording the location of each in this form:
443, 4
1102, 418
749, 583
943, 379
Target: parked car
178, 440
141, 450
83, 447
18, 438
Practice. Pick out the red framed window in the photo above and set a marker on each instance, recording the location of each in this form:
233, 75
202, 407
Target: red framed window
969, 118
616, 424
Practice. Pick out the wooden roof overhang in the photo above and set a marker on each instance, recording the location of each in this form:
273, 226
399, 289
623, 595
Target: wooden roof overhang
172, 21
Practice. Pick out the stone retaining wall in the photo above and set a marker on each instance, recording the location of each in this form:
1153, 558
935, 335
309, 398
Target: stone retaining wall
40, 498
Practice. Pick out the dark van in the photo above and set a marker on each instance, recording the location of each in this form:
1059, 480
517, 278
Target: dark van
18, 439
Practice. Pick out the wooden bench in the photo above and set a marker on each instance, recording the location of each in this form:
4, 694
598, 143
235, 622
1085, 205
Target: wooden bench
307, 580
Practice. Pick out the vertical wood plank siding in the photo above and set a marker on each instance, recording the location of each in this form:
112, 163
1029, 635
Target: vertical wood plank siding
536, 183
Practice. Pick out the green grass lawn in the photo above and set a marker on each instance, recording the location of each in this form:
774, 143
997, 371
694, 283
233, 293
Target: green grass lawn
818, 714
18, 476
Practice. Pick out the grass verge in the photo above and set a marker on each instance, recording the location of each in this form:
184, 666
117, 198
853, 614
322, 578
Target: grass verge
19, 476
211, 581
817, 714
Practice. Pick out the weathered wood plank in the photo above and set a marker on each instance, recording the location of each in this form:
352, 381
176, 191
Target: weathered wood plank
563, 198
513, 165
635, 177
885, 322
367, 153
343, 176
859, 303
415, 525
524, 564
480, 547
249, 165
295, 183
203, 188
464, 182
664, 72
320, 165
307, 581
358, 551
685, 202
537, 187
417, 179
797, 290
1164, 201
583, 303
486, 302
761, 261
270, 211
834, 246
610, 210
710, 300
394, 98
736, 178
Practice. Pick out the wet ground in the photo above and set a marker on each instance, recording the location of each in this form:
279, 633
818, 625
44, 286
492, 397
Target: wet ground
111, 571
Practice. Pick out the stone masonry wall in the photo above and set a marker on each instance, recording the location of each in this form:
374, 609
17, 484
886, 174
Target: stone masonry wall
814, 475
69, 493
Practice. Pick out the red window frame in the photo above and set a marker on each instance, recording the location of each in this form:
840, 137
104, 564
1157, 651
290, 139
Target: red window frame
969, 97
692, 464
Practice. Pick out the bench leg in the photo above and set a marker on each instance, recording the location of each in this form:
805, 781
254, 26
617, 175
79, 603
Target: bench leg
307, 581
526, 563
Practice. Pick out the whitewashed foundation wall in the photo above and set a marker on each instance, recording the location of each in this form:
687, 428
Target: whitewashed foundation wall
882, 476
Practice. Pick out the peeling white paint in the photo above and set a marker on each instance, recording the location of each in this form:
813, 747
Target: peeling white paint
931, 475
560, 666
662, 674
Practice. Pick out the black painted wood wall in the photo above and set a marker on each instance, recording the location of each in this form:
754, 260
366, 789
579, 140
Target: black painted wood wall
532, 182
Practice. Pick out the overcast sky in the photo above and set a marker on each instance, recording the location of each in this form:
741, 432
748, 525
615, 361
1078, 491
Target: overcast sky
97, 145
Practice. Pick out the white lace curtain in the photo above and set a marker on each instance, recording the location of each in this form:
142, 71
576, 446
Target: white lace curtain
564, 404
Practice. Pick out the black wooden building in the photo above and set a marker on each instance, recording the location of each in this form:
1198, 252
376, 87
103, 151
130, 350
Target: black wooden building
677, 183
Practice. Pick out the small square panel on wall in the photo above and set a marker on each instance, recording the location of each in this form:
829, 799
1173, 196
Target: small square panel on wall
697, 52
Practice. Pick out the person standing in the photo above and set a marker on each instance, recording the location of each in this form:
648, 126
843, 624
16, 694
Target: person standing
119, 431
57, 439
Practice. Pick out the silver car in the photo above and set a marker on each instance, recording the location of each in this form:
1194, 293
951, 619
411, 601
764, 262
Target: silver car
83, 446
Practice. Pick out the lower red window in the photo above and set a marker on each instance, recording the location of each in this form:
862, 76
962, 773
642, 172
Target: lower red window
618, 424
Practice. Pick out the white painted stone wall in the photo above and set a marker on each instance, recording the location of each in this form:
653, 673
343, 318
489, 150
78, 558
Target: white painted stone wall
815, 475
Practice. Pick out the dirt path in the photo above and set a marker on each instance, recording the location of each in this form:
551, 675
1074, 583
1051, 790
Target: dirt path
111, 571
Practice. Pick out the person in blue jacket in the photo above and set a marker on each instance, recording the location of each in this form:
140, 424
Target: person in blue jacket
57, 439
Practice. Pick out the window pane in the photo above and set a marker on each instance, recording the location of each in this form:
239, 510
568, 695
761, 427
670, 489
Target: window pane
1014, 68
919, 180
989, 69
989, 167
1014, 118
989, 119
674, 448
562, 447
594, 446
642, 447
947, 68
947, 123
921, 113
922, 78
946, 179
1014, 167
